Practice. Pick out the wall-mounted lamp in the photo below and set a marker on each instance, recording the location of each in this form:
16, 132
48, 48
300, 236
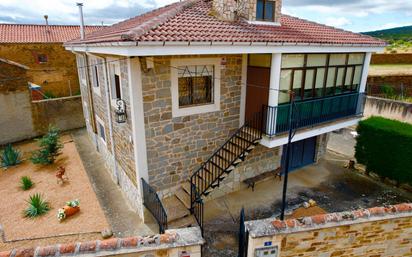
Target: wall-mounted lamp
121, 115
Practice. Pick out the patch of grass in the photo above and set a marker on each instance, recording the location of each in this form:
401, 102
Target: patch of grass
26, 183
37, 206
49, 95
10, 156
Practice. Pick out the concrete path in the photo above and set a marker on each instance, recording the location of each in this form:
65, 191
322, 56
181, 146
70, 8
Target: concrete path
122, 219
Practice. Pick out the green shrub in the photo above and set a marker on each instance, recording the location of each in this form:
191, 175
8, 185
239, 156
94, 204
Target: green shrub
50, 147
49, 95
385, 147
26, 183
10, 156
37, 206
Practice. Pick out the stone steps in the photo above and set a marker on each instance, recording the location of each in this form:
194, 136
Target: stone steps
175, 209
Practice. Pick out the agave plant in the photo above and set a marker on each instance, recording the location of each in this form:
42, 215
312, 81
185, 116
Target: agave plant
37, 206
10, 156
26, 183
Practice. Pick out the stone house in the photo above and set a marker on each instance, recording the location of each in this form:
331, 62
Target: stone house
206, 87
34, 53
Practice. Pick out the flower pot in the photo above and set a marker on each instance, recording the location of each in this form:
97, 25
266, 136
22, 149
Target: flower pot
70, 211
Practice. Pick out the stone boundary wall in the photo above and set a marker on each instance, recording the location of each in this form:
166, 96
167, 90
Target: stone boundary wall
391, 59
388, 108
24, 119
378, 231
171, 244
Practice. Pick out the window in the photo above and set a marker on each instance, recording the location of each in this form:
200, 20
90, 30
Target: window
101, 131
320, 75
95, 72
115, 80
195, 86
42, 58
265, 10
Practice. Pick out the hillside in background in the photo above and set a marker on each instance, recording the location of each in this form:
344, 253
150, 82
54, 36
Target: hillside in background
394, 34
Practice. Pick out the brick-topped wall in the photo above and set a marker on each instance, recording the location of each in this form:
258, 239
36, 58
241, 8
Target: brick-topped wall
170, 244
380, 231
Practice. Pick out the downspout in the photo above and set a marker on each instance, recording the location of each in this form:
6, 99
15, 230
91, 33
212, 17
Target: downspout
109, 119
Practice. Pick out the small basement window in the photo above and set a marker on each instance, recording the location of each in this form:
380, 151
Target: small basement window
265, 10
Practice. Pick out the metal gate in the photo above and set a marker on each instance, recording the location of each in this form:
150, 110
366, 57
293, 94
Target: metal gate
243, 235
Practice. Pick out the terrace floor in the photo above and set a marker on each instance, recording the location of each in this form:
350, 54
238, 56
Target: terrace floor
333, 187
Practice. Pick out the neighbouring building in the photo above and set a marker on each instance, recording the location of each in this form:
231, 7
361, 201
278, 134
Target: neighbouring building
206, 88
34, 54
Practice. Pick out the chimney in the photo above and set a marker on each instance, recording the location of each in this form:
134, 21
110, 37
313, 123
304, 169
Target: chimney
46, 17
80, 5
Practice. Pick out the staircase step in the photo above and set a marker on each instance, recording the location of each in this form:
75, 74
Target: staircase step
186, 187
185, 222
184, 197
175, 209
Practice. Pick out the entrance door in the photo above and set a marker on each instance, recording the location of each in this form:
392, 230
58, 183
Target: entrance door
302, 154
257, 92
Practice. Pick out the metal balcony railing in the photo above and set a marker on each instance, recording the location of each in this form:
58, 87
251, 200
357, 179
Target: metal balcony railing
312, 112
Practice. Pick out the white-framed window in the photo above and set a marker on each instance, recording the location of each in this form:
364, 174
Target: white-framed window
95, 75
195, 86
101, 130
115, 80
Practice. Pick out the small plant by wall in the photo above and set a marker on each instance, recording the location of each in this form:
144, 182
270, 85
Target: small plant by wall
10, 156
50, 147
26, 183
385, 147
37, 206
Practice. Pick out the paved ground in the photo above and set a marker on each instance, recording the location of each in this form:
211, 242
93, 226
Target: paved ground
122, 219
332, 186
343, 142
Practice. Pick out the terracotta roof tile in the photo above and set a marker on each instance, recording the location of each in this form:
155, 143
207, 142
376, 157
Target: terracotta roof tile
191, 21
32, 33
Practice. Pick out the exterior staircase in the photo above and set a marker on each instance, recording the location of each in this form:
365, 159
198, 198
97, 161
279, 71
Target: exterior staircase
185, 207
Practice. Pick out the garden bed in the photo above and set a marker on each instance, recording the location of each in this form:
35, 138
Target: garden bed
16, 227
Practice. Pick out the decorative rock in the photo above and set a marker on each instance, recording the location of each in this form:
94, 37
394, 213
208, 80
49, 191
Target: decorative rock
306, 205
107, 233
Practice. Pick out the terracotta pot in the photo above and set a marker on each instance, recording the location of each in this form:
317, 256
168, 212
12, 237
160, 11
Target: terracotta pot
70, 211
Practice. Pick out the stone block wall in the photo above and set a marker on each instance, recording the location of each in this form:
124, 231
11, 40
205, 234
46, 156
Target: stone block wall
379, 231
227, 9
260, 160
177, 146
390, 109
123, 157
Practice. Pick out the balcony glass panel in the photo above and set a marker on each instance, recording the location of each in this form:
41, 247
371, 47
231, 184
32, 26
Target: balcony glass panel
356, 58
318, 60
309, 79
337, 59
297, 84
285, 82
330, 82
293, 60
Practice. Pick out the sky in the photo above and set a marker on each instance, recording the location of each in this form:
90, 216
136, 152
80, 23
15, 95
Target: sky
354, 15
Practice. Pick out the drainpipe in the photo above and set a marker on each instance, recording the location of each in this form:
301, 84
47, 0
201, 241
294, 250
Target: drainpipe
80, 5
109, 119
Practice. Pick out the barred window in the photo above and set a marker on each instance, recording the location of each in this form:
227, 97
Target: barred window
195, 85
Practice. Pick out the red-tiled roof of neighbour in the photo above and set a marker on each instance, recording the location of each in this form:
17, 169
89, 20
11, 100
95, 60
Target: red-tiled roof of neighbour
192, 21
33, 33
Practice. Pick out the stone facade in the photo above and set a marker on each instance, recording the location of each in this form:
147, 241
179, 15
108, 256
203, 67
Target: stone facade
177, 146
121, 162
230, 10
379, 231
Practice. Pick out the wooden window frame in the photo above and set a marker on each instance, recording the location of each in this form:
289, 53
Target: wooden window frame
353, 87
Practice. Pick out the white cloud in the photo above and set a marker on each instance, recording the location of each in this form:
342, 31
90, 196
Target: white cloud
338, 22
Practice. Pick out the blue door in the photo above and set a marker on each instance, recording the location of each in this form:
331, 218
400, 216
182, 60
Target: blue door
302, 154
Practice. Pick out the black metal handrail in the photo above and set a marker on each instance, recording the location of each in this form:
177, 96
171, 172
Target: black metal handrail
198, 210
312, 112
152, 202
212, 171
